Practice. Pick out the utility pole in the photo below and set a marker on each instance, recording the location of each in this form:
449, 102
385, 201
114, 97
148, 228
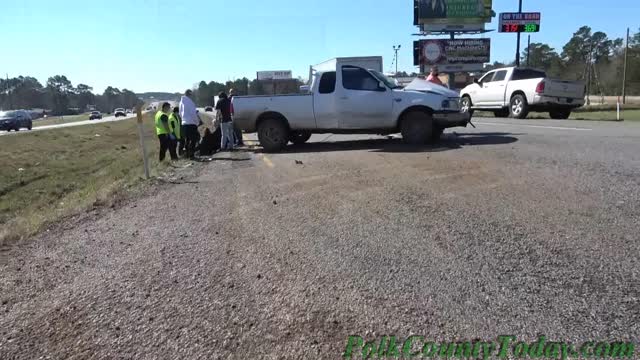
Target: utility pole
589, 75
396, 48
528, 49
624, 72
9, 94
518, 44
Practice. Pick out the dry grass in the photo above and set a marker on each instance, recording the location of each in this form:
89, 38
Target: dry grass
50, 174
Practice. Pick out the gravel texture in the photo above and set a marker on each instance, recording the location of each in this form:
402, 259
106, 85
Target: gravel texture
505, 229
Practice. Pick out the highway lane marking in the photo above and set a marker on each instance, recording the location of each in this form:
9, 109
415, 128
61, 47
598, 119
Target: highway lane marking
534, 126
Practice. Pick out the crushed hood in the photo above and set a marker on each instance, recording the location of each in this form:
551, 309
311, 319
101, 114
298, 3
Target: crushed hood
426, 86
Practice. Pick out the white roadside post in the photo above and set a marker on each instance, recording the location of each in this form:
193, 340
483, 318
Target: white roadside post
142, 145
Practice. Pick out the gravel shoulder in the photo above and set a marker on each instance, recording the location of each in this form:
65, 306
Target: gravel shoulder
495, 231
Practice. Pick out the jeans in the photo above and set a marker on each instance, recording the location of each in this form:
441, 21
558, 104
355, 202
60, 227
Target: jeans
167, 144
192, 136
227, 141
238, 134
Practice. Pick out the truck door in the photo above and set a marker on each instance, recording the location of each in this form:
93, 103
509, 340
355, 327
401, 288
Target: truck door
494, 90
324, 102
479, 96
362, 103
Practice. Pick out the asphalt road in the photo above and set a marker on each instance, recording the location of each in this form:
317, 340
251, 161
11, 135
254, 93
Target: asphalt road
521, 228
69, 124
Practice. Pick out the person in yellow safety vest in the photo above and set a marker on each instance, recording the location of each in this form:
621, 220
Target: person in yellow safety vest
175, 124
166, 137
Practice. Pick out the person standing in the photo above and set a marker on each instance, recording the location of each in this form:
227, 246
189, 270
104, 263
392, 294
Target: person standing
175, 125
433, 76
236, 130
190, 121
163, 131
223, 110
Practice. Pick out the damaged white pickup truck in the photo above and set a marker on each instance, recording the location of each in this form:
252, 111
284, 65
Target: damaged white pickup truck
351, 100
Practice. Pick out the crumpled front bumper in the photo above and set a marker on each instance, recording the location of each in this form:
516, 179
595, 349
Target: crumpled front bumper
451, 119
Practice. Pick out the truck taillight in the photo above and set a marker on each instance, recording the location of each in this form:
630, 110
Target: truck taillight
540, 87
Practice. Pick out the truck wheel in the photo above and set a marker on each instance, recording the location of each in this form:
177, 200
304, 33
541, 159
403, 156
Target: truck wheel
437, 133
560, 114
465, 105
416, 127
502, 113
273, 134
299, 137
518, 107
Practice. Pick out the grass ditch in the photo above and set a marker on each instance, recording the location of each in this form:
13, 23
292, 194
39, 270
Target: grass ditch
47, 175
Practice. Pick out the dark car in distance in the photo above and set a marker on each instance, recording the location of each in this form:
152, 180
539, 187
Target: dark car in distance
15, 120
95, 115
208, 109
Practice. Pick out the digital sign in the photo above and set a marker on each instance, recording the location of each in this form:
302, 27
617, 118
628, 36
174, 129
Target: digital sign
514, 28
520, 22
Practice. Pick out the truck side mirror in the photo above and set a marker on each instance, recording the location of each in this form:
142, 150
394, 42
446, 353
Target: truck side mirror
381, 86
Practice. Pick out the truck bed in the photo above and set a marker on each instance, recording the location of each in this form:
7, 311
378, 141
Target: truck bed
292, 106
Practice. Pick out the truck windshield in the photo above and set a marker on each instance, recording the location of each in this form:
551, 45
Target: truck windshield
390, 83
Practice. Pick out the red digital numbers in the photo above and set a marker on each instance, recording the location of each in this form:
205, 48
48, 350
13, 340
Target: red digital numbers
510, 28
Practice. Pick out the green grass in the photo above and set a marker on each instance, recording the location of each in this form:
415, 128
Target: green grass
55, 120
627, 115
51, 174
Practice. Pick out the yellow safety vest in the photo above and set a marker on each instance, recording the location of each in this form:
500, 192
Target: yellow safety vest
174, 125
160, 130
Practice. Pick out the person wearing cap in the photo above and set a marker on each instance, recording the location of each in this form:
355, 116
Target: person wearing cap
433, 76
190, 121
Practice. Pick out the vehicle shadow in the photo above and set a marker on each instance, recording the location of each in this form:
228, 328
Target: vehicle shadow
449, 141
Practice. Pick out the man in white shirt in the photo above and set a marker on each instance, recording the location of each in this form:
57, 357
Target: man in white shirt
190, 122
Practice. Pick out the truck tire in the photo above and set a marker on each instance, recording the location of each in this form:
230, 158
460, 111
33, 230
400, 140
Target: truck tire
299, 137
465, 105
437, 133
560, 114
273, 134
502, 113
518, 106
417, 127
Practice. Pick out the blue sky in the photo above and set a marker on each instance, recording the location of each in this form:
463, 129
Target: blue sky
161, 45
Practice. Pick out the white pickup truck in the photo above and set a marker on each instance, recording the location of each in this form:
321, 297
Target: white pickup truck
517, 91
347, 100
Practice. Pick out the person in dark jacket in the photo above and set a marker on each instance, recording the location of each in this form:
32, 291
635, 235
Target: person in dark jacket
236, 130
210, 142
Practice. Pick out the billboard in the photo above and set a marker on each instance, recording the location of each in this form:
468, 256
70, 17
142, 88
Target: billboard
274, 75
445, 13
452, 55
